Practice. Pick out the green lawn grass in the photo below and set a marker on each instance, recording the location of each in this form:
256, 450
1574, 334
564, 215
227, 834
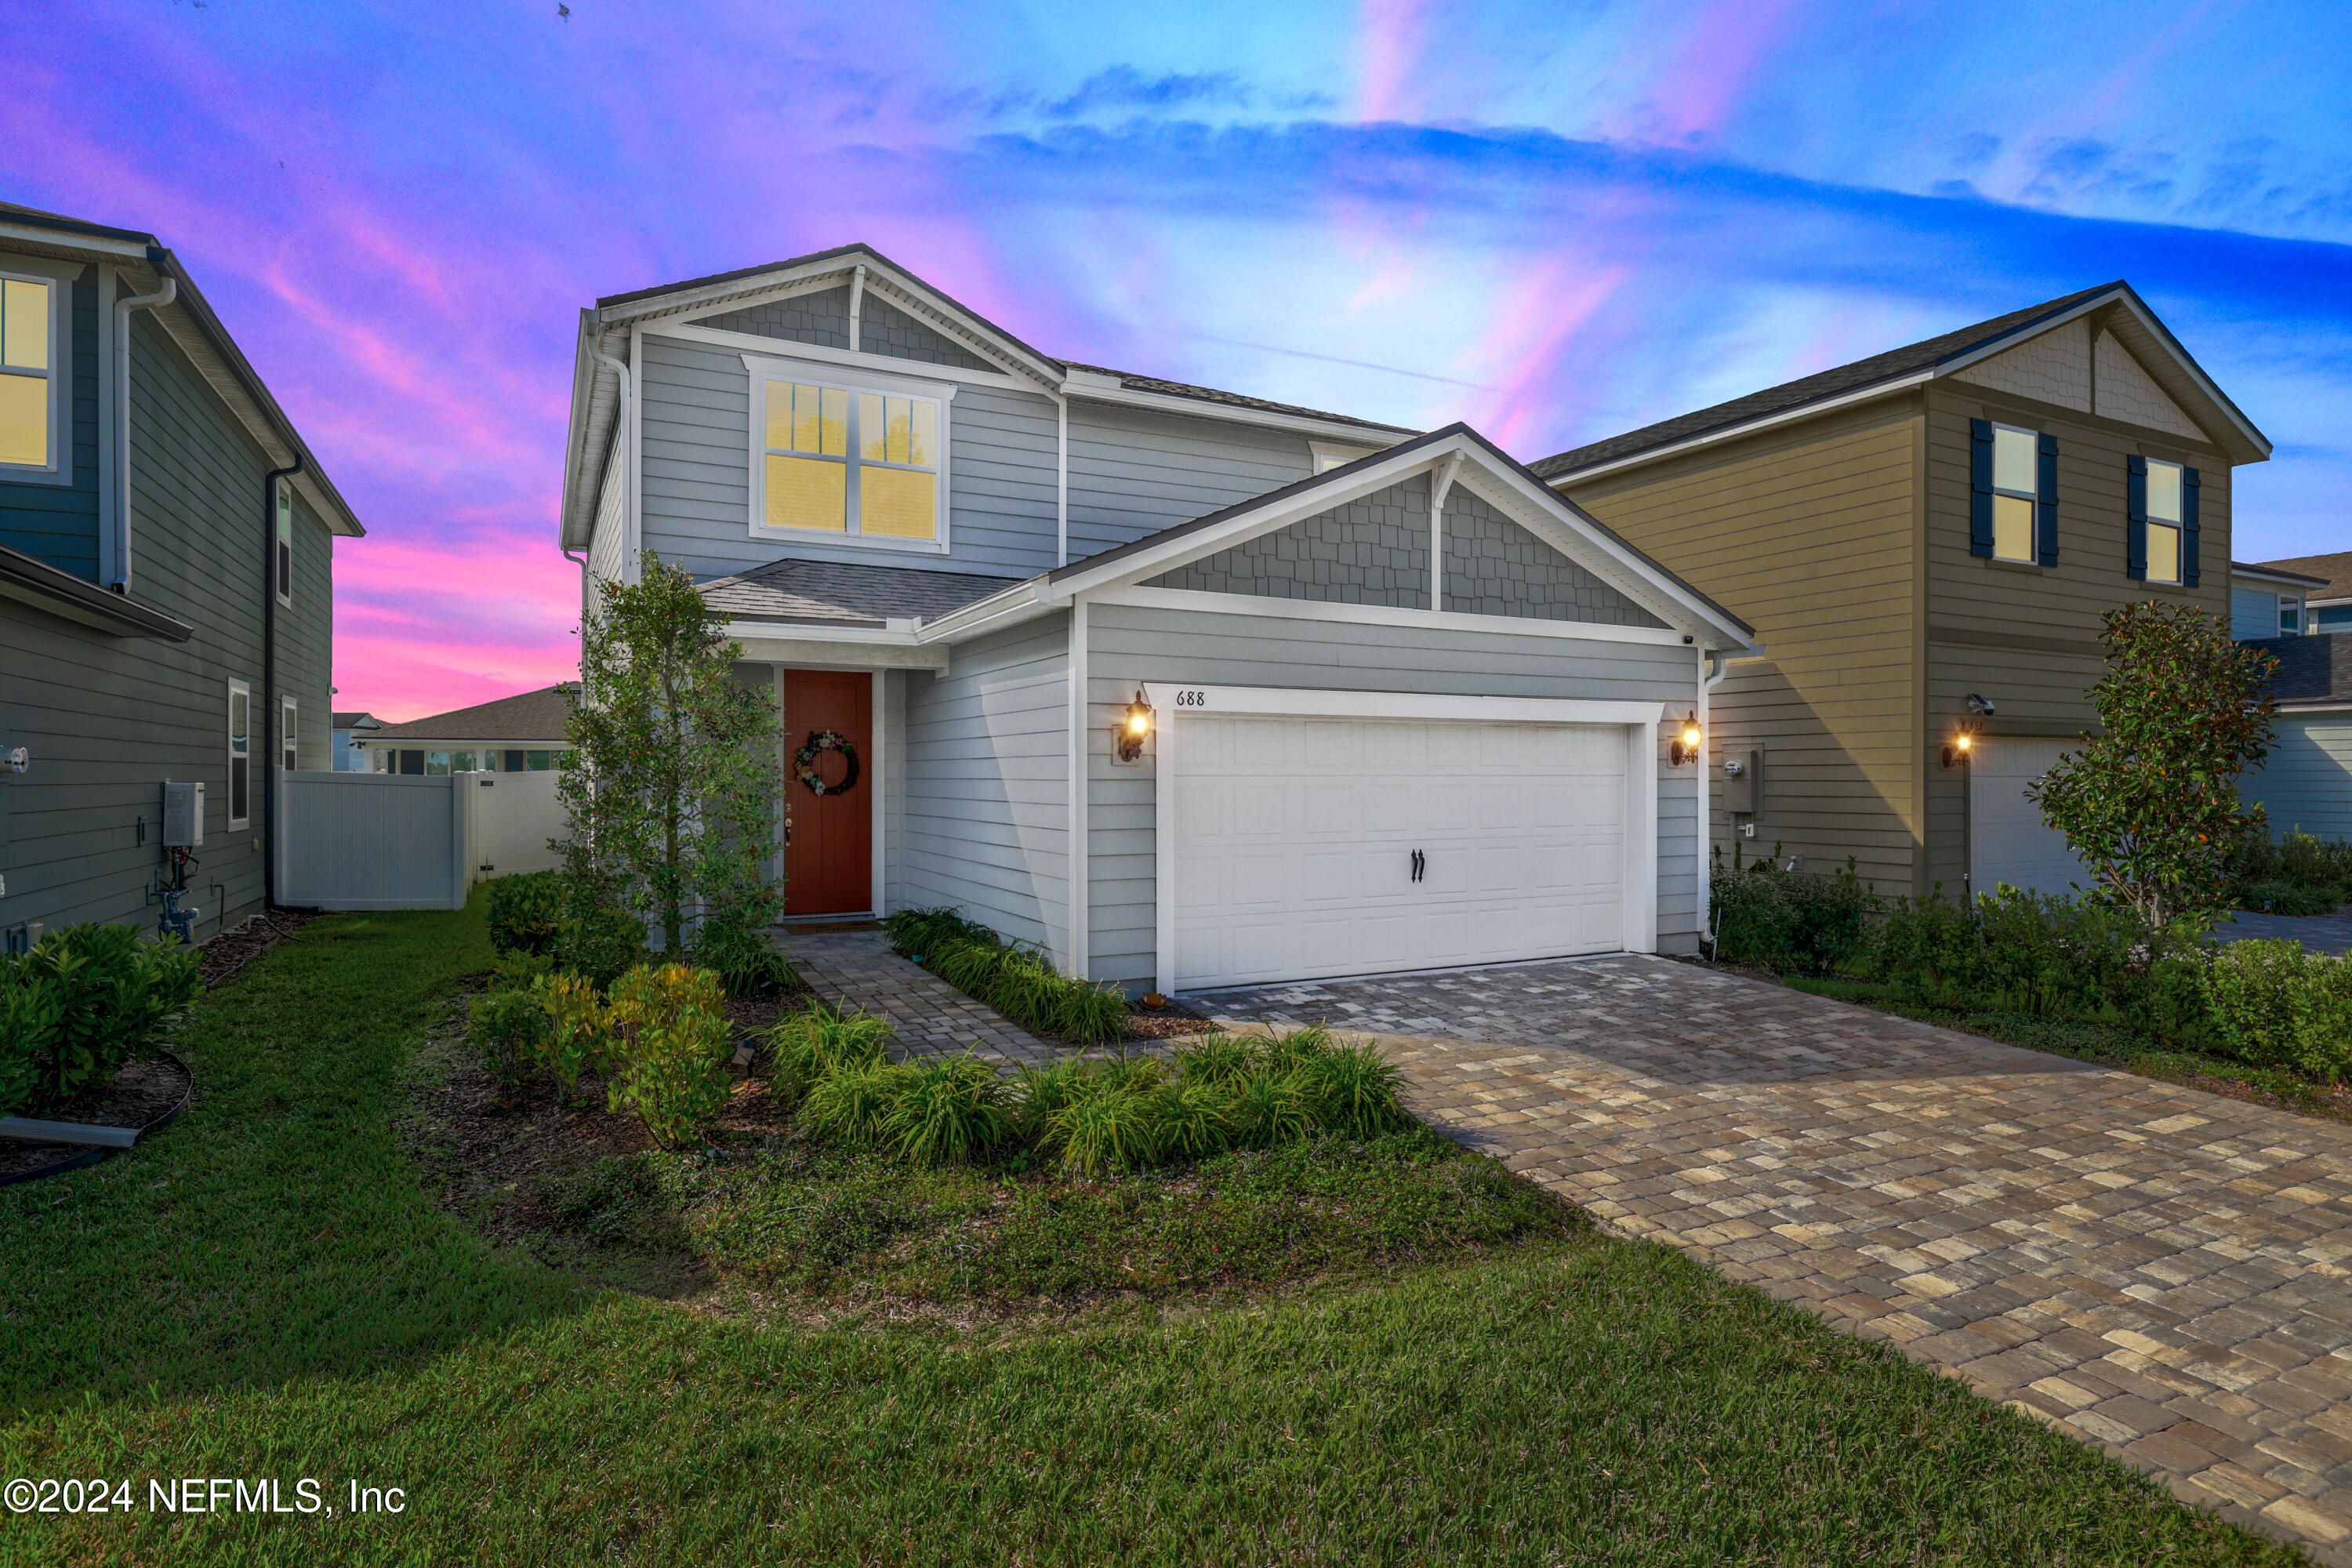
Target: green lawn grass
269, 1291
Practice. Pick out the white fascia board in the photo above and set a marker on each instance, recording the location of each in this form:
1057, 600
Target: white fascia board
1023, 601
1193, 601
898, 634
57, 240
1354, 436
1183, 699
751, 343
768, 643
1745, 427
2285, 579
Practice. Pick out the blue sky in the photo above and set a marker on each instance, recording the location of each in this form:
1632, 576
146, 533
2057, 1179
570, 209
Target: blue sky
1557, 221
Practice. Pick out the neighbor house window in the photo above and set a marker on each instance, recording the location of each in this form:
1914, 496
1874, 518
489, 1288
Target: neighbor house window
27, 360
2015, 490
848, 461
240, 752
2163, 521
2290, 615
284, 554
286, 734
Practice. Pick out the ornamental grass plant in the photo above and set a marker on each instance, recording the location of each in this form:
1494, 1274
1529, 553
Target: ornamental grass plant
1012, 977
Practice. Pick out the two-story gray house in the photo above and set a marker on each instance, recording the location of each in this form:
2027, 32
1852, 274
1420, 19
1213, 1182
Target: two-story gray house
1187, 687
165, 585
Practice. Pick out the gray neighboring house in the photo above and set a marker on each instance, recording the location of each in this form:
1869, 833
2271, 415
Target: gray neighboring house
1188, 687
2300, 611
166, 575
522, 734
349, 739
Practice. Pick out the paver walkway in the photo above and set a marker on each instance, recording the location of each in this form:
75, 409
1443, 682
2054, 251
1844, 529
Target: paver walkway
2150, 1269
857, 970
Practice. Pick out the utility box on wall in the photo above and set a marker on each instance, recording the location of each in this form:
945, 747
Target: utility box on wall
183, 816
1743, 782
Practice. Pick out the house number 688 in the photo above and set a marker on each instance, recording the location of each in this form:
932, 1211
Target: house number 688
1191, 699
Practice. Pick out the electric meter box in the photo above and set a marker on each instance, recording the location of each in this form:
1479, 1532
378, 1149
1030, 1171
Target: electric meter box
183, 816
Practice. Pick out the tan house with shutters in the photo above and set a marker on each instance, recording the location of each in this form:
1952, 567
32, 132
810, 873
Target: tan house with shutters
1925, 542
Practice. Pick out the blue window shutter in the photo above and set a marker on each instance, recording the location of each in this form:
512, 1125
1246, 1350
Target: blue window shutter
2045, 509
2189, 528
1980, 484
2136, 529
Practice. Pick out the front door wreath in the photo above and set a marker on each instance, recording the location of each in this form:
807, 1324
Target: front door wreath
819, 743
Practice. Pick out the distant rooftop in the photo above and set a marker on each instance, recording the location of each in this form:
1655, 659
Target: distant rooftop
542, 715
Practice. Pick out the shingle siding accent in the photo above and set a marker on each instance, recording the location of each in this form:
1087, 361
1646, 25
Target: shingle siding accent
884, 328
821, 319
2129, 393
1495, 567
2052, 368
1374, 551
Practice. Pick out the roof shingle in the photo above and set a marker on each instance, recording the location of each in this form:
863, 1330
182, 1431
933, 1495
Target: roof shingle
542, 715
826, 593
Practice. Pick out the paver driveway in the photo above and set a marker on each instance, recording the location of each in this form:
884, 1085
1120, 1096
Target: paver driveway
2151, 1269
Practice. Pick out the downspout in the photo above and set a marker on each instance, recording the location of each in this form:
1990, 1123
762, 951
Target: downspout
1706, 685
628, 410
276, 709
582, 561
121, 522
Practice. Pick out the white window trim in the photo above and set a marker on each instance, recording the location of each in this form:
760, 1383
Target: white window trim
1325, 456
237, 688
289, 733
2033, 556
293, 524
2179, 526
59, 469
1173, 702
764, 369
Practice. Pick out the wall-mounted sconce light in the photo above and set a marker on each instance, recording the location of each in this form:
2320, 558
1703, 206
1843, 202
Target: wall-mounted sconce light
1958, 750
1133, 730
1980, 706
1685, 748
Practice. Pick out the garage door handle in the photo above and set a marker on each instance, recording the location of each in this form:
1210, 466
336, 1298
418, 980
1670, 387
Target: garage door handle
1420, 864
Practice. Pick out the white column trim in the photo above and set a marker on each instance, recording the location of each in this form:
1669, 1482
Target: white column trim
1077, 947
880, 730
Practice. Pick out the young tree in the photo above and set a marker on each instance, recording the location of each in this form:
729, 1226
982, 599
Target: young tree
671, 796
2151, 802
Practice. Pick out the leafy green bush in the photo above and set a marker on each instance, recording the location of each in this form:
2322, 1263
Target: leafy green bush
1015, 978
2298, 868
1794, 921
579, 1034
510, 1028
2277, 897
598, 939
739, 954
2272, 1003
672, 1047
526, 912
809, 1046
87, 999
949, 1108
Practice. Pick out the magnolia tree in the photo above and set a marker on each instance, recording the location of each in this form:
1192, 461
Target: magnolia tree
671, 800
2150, 804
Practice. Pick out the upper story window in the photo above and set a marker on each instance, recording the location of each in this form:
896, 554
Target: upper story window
27, 360
2290, 615
2163, 521
284, 554
2015, 492
853, 462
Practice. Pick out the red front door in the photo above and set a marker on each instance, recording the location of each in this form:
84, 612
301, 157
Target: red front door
829, 861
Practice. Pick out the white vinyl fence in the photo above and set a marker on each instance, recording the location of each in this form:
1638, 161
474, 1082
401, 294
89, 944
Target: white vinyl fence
396, 841
373, 841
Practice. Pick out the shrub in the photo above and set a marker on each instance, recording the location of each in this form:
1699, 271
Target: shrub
2272, 1003
740, 955
1269, 1110
2299, 867
810, 1045
1352, 1091
854, 1104
31, 1010
949, 1108
1195, 1116
1040, 1093
1217, 1058
673, 1045
1792, 922
109, 995
598, 939
1015, 978
2278, 897
579, 1036
510, 1030
1286, 1053
526, 912
1109, 1127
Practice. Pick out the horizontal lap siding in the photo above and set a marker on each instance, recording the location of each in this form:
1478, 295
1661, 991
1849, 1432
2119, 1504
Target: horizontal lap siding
1809, 536
1130, 646
2308, 783
986, 768
2026, 637
1134, 472
608, 540
697, 477
108, 719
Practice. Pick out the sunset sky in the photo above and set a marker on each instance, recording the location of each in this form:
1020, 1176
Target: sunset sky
1557, 221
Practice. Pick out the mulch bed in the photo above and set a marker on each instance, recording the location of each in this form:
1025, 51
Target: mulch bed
139, 1093
1165, 1021
232, 950
488, 1152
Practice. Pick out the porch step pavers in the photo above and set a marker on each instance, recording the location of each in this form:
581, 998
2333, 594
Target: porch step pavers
857, 970
2161, 1272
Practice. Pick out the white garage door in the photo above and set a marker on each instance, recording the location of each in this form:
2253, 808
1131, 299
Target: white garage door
1295, 838
2010, 843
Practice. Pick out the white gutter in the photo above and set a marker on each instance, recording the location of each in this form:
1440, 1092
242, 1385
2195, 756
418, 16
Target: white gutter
621, 433
121, 519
